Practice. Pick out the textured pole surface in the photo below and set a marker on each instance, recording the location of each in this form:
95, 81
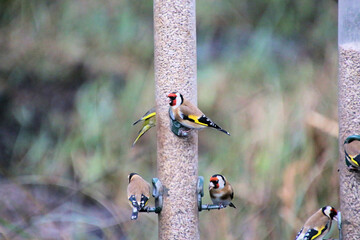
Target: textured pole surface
349, 124
177, 160
349, 111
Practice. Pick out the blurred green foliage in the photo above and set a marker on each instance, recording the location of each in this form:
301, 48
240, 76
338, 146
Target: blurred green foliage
74, 75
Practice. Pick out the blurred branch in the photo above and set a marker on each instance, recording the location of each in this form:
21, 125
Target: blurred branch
319, 121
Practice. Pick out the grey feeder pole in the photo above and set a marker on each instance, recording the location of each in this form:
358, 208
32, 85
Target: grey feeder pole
349, 112
177, 157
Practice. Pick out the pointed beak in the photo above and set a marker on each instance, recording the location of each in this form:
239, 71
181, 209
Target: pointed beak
336, 218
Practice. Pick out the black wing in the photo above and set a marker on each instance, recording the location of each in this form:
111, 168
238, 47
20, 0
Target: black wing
204, 120
143, 201
133, 201
314, 233
136, 207
147, 115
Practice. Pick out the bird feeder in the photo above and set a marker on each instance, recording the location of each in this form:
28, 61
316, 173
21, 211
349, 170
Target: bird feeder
177, 157
349, 111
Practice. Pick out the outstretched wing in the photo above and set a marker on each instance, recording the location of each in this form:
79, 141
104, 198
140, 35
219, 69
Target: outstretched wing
142, 131
149, 121
149, 114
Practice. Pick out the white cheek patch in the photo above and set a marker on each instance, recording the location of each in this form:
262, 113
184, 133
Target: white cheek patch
327, 211
221, 183
178, 101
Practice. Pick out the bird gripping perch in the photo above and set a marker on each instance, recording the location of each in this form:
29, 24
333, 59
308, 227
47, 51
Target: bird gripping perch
178, 129
200, 194
158, 195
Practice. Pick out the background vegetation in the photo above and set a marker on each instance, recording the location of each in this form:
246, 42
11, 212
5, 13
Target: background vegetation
74, 75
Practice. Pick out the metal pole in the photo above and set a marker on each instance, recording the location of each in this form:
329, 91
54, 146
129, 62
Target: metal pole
177, 160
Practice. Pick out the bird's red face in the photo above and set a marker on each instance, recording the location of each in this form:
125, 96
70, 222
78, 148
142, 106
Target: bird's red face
172, 97
333, 214
215, 181
330, 212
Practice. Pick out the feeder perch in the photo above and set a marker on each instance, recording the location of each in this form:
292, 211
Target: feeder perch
176, 127
200, 192
339, 225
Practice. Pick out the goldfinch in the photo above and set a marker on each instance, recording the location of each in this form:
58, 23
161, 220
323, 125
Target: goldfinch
149, 119
189, 115
221, 192
352, 152
138, 192
318, 224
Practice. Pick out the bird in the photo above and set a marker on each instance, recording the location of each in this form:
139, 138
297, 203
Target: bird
318, 224
138, 192
149, 120
221, 192
189, 115
352, 152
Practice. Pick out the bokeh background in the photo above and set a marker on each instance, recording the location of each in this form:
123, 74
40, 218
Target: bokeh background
75, 75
